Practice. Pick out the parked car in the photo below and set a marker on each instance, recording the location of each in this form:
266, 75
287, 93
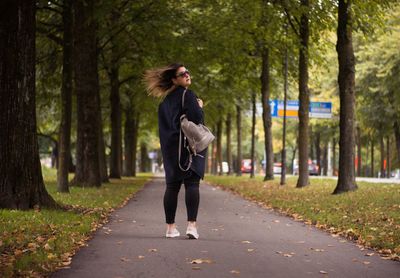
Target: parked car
312, 168
246, 166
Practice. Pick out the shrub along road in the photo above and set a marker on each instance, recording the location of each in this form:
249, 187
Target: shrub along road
238, 238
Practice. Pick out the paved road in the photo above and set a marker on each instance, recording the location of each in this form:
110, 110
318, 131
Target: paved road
237, 239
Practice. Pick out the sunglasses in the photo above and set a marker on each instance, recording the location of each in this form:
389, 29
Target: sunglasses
183, 73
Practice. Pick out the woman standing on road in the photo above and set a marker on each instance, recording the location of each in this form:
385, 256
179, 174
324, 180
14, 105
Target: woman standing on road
170, 83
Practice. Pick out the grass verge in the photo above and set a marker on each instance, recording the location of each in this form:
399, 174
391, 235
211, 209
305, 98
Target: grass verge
36, 242
370, 215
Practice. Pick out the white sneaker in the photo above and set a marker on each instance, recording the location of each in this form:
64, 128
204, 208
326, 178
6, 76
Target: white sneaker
191, 232
173, 233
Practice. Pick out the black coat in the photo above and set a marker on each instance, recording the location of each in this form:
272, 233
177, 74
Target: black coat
169, 113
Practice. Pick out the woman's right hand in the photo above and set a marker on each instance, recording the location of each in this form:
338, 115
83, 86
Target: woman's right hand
200, 102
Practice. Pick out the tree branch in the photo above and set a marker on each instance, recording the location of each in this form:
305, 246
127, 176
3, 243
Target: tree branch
49, 35
49, 9
127, 79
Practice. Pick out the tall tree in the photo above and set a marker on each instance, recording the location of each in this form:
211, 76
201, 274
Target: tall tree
87, 90
253, 136
21, 181
64, 147
219, 146
239, 140
346, 80
267, 120
304, 96
228, 142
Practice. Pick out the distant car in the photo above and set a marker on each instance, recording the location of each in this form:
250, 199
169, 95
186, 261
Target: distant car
246, 166
277, 168
312, 168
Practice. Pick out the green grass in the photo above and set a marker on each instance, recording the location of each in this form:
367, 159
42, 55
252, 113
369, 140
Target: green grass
34, 243
369, 215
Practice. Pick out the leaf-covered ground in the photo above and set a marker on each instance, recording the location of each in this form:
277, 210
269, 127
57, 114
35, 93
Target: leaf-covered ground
370, 215
34, 243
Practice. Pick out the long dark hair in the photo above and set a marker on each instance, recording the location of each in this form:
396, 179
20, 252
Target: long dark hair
158, 81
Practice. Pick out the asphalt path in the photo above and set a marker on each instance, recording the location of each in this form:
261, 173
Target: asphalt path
238, 238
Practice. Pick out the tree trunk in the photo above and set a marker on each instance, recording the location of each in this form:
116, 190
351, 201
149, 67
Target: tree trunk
228, 143
318, 151
135, 141
396, 128
239, 140
311, 153
219, 147
359, 165
388, 162
102, 150
64, 150
213, 156
285, 89
253, 136
293, 158
382, 173
87, 90
304, 98
372, 159
144, 158
334, 168
325, 160
128, 139
21, 181
116, 133
267, 120
346, 79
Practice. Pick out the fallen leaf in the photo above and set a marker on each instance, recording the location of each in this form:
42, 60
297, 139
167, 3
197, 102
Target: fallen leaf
276, 221
40, 239
140, 257
196, 268
330, 245
301, 241
47, 247
323, 272
201, 261
32, 246
235, 271
152, 250
366, 263
246, 241
125, 259
66, 263
250, 250
279, 252
317, 250
369, 254
51, 256
288, 255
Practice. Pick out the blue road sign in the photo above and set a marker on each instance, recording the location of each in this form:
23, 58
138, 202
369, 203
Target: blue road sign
316, 109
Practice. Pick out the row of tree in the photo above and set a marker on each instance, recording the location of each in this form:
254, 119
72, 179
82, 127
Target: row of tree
90, 56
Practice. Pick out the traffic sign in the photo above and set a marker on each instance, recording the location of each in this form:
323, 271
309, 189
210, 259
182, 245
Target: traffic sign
316, 109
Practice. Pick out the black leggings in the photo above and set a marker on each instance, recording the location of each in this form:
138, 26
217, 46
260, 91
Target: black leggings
192, 198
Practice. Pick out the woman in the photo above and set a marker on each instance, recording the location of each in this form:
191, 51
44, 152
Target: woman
170, 83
